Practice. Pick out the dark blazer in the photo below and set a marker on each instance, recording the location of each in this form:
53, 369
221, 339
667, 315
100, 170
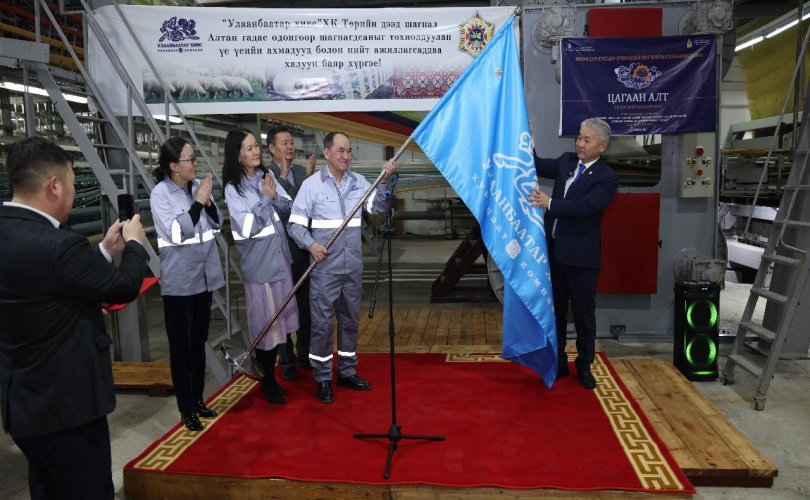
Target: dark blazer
55, 364
578, 238
299, 256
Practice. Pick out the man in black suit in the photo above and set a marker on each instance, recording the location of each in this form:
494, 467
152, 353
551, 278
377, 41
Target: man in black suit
281, 146
584, 185
56, 384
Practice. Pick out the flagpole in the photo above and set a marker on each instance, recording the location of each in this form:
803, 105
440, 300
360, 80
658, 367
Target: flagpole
240, 358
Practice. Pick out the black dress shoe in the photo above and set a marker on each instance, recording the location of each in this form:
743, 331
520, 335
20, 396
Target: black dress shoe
586, 378
289, 372
324, 392
562, 369
204, 411
355, 382
273, 393
190, 420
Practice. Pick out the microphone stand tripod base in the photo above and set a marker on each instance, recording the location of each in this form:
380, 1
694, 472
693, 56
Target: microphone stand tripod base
242, 361
394, 436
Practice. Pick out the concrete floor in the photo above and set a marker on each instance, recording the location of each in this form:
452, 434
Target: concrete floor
782, 431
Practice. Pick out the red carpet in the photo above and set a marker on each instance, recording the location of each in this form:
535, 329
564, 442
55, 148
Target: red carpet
502, 428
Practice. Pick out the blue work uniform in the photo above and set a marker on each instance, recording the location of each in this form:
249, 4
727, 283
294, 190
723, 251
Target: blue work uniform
189, 259
336, 284
258, 231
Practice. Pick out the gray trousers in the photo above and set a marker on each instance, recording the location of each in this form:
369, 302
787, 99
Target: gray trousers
334, 295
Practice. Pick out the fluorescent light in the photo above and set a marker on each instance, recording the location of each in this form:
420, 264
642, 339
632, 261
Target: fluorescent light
749, 43
17, 87
172, 119
264, 136
783, 28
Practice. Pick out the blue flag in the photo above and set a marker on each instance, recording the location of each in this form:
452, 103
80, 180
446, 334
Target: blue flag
478, 137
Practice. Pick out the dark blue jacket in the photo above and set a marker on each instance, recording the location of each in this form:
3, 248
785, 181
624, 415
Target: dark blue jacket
578, 238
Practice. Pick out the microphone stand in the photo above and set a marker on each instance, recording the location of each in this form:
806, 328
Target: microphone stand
394, 434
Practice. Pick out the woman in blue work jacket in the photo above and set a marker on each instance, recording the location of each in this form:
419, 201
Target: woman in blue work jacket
259, 208
186, 219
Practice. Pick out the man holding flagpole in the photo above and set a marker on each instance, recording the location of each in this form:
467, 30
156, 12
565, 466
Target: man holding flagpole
584, 185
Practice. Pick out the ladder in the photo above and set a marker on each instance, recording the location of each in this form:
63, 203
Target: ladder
130, 172
782, 275
460, 263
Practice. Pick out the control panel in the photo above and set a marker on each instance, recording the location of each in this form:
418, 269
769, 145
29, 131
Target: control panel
696, 167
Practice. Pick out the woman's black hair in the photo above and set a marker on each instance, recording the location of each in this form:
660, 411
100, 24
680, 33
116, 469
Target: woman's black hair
232, 171
170, 152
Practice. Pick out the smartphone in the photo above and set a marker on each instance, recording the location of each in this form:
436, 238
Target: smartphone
126, 207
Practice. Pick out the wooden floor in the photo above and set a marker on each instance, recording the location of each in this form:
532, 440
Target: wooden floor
710, 450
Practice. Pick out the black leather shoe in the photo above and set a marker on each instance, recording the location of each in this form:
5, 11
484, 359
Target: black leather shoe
204, 411
355, 382
190, 420
289, 372
562, 369
586, 378
274, 394
324, 392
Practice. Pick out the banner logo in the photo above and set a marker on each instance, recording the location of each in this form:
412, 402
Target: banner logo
637, 76
475, 34
176, 30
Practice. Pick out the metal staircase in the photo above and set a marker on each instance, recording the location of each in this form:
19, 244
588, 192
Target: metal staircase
115, 162
782, 275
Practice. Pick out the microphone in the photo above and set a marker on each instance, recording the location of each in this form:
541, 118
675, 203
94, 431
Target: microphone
571, 173
392, 183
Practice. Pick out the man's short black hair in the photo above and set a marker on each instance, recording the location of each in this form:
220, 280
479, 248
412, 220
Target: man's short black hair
274, 131
31, 161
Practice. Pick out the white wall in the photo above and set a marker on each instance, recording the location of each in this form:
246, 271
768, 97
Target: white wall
733, 100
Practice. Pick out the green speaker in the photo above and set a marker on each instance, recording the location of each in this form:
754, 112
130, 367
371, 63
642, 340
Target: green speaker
697, 337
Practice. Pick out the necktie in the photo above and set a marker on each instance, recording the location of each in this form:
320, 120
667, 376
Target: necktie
580, 169
577, 174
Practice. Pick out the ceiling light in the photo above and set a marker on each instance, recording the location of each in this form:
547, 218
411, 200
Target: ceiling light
783, 28
749, 43
17, 87
172, 119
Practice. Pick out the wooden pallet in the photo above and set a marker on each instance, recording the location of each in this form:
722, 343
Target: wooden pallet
710, 450
156, 378
149, 485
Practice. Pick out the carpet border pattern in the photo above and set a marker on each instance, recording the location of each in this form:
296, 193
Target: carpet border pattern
652, 468
167, 451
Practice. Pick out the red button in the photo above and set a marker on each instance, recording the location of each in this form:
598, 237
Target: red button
699, 151
699, 171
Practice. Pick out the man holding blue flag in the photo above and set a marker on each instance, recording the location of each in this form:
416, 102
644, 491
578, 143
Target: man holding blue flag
584, 185
478, 137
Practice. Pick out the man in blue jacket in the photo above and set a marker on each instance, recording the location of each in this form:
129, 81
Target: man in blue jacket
584, 185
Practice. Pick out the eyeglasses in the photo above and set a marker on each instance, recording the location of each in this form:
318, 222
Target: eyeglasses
193, 159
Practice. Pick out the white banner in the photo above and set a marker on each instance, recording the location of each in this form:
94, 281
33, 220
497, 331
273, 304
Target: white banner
236, 60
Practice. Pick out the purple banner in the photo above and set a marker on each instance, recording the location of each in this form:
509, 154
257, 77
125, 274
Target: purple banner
657, 85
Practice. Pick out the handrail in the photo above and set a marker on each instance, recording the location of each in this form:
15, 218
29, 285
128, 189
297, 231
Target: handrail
160, 136
147, 179
775, 137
